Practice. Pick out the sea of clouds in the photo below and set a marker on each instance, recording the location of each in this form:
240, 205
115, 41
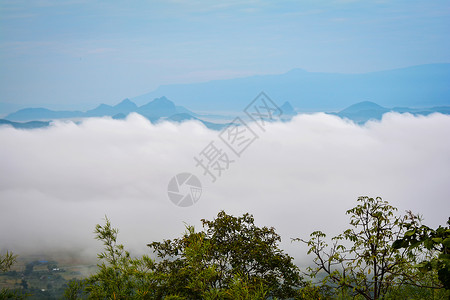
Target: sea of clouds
57, 183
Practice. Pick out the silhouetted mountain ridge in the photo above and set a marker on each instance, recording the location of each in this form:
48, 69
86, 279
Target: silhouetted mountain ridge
157, 109
163, 109
417, 86
24, 125
364, 111
425, 88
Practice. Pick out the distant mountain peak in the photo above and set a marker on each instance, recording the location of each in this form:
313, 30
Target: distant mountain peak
161, 107
362, 112
367, 103
126, 101
364, 105
126, 104
287, 109
160, 100
103, 106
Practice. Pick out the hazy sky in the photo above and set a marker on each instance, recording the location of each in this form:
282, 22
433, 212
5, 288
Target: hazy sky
76, 53
57, 183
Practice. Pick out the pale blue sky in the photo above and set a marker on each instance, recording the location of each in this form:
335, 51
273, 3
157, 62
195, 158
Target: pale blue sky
76, 54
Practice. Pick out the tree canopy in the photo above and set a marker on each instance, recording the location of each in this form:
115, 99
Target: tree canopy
361, 261
229, 248
382, 255
435, 241
231, 258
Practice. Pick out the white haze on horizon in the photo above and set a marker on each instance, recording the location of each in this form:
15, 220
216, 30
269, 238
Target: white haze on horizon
57, 183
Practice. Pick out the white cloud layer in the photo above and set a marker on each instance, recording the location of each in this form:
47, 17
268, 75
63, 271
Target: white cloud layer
300, 176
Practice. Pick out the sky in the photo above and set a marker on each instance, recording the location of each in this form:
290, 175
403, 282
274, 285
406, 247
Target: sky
299, 176
75, 54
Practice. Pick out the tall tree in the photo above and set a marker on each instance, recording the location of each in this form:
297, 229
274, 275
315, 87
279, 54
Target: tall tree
6, 261
361, 261
231, 259
228, 249
119, 277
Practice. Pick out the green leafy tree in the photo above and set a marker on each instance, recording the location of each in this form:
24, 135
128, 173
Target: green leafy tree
361, 261
6, 261
436, 242
231, 255
231, 259
119, 275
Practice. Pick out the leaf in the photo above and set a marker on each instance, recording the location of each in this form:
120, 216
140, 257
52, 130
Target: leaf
410, 232
437, 240
446, 242
397, 244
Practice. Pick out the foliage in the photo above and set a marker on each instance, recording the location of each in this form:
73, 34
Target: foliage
231, 259
6, 261
361, 260
437, 241
231, 251
119, 276
313, 291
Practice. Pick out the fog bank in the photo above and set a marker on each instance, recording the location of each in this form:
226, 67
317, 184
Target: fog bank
299, 176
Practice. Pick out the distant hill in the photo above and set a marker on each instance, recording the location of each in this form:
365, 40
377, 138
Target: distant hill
419, 90
156, 110
24, 125
27, 114
287, 109
364, 111
124, 107
418, 86
162, 109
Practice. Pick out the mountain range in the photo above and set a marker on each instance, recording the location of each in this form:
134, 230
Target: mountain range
158, 108
164, 109
155, 110
426, 88
417, 86
364, 111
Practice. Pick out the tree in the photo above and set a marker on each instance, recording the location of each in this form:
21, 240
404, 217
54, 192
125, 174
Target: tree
6, 261
119, 275
436, 241
231, 259
230, 253
361, 260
